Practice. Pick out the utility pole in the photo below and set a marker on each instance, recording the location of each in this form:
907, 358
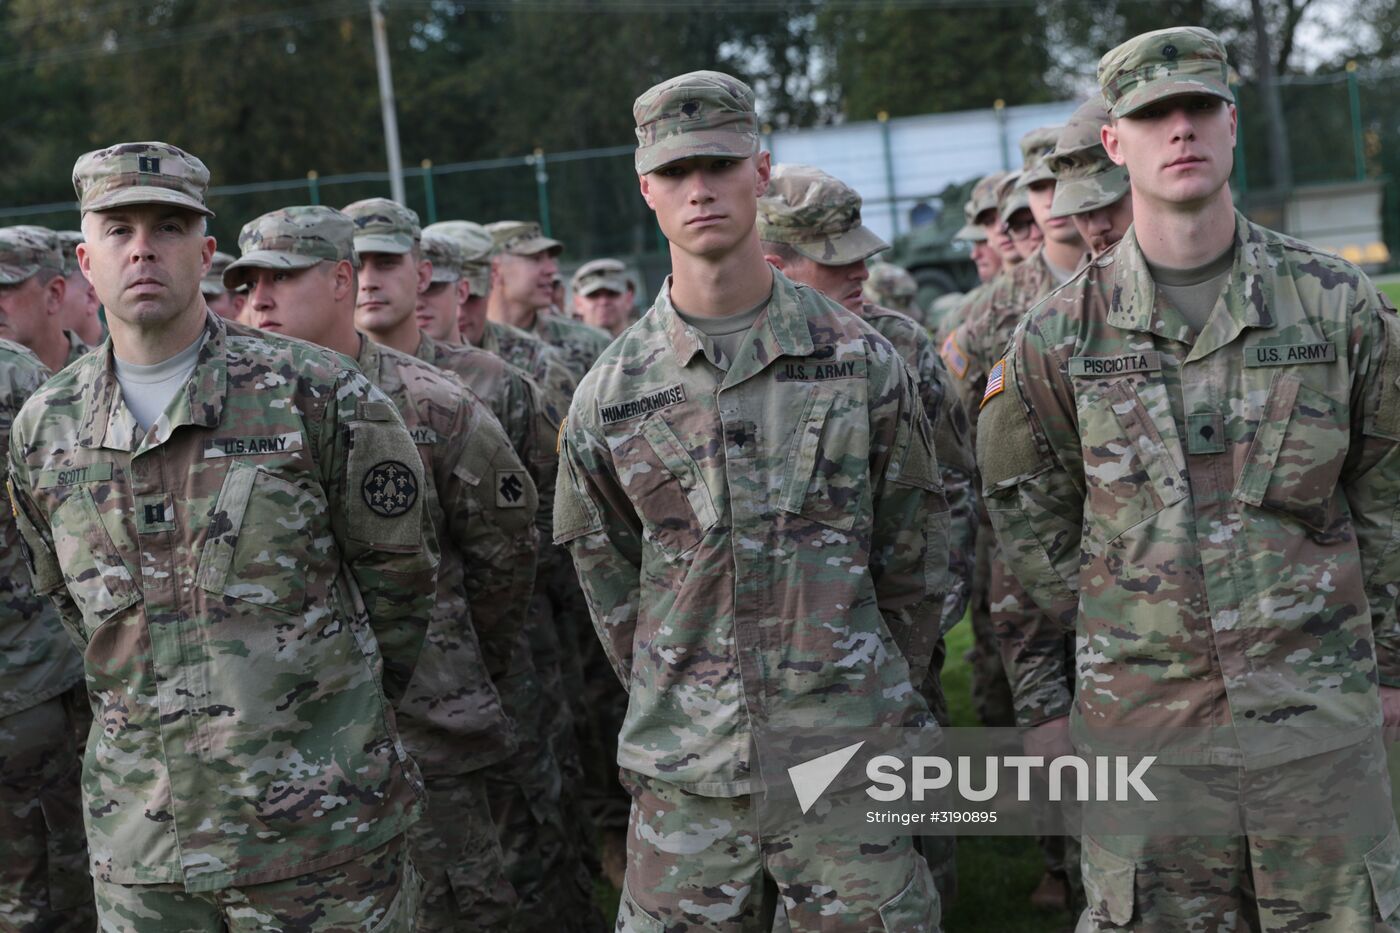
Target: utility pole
386, 101
1280, 162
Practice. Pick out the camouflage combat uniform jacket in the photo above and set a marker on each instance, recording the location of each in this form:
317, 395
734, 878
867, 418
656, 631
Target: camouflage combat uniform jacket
241, 579
716, 518
578, 343
537, 359
1219, 511
482, 505
37, 658
952, 442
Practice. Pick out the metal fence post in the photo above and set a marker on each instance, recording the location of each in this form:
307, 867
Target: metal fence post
313, 186
884, 119
1358, 145
542, 188
428, 194
999, 107
1241, 176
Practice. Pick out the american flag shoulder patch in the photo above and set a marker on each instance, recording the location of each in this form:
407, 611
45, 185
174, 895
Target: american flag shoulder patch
953, 356
996, 382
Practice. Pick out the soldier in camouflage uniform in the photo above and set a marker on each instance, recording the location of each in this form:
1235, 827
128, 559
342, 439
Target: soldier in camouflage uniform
542, 362
1089, 188
80, 305
231, 527
891, 286
1222, 451
44, 721
300, 265
604, 295
31, 309
523, 265
810, 228
693, 527
971, 352
528, 798
216, 295
448, 288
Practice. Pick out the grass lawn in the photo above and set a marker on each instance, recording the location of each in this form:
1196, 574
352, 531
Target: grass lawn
1392, 290
995, 873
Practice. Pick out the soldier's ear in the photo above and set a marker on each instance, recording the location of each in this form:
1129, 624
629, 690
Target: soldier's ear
644, 183
775, 261
763, 162
1108, 135
54, 291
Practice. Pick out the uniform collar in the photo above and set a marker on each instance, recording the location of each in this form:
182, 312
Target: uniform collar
107, 422
1244, 302
370, 361
781, 330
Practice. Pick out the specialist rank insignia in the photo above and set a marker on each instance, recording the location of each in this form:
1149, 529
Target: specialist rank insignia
389, 489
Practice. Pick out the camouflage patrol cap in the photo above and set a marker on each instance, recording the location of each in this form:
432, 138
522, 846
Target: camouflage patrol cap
1012, 196
1081, 133
702, 113
140, 173
24, 250
212, 285
477, 249
521, 238
1161, 64
598, 275
1085, 182
383, 226
68, 241
292, 238
445, 256
1035, 146
890, 285
982, 199
817, 215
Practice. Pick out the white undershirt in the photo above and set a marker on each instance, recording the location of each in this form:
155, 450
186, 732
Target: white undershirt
147, 390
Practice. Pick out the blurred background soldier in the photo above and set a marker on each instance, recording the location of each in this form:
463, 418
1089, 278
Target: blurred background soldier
216, 295
604, 295
1090, 189
81, 310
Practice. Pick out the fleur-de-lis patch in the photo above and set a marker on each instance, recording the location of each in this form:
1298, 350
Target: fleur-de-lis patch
389, 489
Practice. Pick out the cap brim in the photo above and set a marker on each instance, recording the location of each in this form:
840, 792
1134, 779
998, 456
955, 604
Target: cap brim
380, 244
445, 274
1020, 199
708, 143
597, 285
972, 232
15, 273
535, 245
237, 272
142, 194
211, 289
843, 248
1176, 86
1078, 195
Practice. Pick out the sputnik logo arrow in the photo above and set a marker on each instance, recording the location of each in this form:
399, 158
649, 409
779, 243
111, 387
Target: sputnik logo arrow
811, 778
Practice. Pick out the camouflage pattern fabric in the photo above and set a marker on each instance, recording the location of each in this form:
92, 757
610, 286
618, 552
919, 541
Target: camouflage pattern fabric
37, 658
579, 344
824, 459
375, 892
892, 286
697, 862
44, 881
140, 173
520, 238
1224, 469
264, 545
1166, 63
482, 503
1084, 183
383, 226
702, 113
25, 250
598, 275
77, 349
952, 443
455, 848
292, 238
817, 215
537, 359
1261, 881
